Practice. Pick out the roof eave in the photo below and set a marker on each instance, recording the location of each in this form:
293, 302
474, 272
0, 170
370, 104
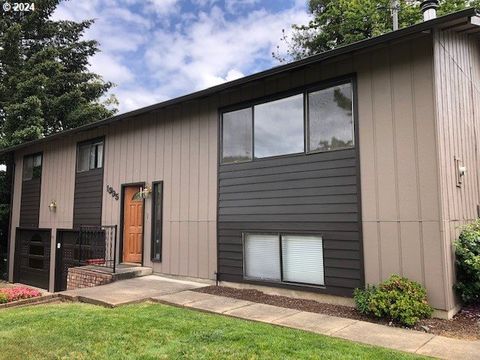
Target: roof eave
363, 44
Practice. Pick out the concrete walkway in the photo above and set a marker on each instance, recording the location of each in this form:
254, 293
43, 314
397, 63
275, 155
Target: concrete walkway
353, 330
130, 291
177, 292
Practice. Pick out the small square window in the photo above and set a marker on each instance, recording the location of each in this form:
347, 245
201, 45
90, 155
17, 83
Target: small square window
262, 257
90, 156
278, 127
302, 259
32, 167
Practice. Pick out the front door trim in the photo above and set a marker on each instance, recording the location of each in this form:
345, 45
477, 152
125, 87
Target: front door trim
122, 214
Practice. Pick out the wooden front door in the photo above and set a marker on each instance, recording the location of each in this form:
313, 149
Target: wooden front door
132, 225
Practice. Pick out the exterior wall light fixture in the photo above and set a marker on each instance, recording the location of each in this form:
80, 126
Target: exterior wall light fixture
143, 193
52, 206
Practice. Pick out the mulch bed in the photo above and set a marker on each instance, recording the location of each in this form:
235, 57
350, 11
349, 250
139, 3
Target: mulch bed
465, 325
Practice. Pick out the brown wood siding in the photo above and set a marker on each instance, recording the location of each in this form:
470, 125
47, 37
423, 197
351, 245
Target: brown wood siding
30, 203
457, 79
302, 194
87, 204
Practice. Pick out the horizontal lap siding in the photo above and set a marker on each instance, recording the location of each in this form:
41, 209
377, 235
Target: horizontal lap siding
87, 204
30, 203
310, 194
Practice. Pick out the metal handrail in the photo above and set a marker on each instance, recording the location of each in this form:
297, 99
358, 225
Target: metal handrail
97, 245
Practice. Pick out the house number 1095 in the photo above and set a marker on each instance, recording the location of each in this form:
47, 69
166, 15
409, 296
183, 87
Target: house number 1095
112, 192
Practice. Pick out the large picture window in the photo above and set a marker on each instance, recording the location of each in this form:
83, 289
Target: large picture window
32, 167
278, 127
301, 259
90, 156
157, 213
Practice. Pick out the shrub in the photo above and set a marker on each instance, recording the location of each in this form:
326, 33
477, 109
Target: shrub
3, 298
397, 299
467, 263
18, 293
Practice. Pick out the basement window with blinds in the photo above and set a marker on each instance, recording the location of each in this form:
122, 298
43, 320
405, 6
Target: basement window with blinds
284, 258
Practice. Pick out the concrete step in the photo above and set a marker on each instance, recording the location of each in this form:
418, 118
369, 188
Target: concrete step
132, 272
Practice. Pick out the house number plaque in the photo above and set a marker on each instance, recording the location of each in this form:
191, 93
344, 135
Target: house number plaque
112, 192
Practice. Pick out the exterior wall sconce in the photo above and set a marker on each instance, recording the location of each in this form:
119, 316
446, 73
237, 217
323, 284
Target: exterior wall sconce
143, 193
460, 171
52, 206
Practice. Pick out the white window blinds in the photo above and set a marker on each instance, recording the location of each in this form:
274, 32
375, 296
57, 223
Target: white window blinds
262, 257
302, 258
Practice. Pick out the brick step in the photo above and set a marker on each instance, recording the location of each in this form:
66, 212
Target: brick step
90, 275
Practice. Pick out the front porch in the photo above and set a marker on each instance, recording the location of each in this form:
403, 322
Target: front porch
93, 275
89, 256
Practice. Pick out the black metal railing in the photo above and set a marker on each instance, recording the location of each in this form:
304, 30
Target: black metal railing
97, 245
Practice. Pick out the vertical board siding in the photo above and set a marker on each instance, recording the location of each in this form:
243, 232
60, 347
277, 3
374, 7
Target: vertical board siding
398, 165
171, 145
457, 78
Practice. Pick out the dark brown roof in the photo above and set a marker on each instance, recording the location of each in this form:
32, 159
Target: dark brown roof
467, 20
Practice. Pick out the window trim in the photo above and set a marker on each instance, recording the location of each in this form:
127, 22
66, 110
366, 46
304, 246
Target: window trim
90, 142
279, 235
40, 153
152, 234
305, 90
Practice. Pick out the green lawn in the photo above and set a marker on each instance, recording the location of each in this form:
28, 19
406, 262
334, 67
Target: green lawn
153, 331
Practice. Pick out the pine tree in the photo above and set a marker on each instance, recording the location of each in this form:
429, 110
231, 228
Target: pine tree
45, 84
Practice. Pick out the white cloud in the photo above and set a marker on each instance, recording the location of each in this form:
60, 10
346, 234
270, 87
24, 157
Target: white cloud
152, 51
111, 68
136, 97
163, 7
203, 53
234, 74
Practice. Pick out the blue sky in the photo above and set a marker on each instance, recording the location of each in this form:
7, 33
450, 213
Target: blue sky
154, 50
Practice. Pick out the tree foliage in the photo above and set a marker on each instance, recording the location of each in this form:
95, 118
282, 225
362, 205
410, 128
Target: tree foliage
45, 84
341, 22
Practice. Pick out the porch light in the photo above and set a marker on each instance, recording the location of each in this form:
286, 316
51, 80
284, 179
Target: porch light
143, 193
52, 206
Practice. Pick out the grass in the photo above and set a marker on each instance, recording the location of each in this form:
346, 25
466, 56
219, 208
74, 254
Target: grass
154, 331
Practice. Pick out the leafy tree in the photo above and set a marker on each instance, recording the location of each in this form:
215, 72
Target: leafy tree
45, 85
341, 22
